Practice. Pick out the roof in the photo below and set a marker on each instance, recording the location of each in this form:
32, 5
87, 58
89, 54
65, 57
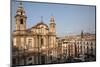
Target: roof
36, 26
41, 23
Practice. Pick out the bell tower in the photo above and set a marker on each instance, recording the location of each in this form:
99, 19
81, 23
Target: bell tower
20, 18
52, 25
52, 37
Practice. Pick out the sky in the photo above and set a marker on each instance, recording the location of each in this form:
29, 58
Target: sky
69, 19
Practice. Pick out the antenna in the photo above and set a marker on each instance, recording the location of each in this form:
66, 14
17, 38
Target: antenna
20, 4
41, 18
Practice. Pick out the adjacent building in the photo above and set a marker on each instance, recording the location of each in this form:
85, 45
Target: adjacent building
78, 45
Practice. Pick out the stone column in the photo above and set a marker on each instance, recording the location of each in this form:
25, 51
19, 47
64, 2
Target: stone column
46, 38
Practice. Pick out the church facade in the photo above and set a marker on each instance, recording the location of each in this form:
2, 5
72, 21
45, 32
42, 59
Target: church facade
40, 44
37, 41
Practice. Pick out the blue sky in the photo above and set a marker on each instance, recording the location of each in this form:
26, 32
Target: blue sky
69, 19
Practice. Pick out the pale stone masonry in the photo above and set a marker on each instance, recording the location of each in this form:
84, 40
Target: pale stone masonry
40, 45
38, 39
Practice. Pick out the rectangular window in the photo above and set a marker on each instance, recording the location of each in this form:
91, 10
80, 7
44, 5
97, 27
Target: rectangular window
30, 59
29, 43
22, 42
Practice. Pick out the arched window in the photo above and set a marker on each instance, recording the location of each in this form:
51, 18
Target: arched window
21, 13
21, 21
91, 44
87, 43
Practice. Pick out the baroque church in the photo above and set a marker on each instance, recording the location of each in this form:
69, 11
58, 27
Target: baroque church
40, 38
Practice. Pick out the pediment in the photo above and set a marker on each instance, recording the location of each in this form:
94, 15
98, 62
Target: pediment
41, 25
